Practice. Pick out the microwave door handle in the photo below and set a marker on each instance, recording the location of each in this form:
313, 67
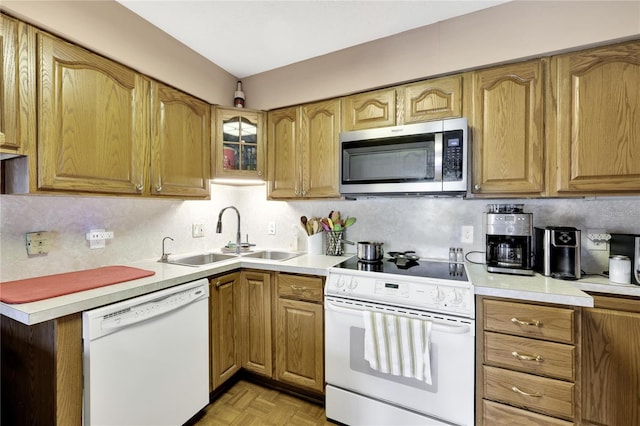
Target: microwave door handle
438, 156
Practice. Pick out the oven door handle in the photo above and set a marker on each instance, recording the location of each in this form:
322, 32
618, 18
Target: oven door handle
437, 325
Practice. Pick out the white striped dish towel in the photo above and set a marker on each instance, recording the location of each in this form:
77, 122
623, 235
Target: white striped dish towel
398, 345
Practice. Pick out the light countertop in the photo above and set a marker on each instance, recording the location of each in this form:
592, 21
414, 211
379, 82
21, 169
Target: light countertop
166, 275
536, 288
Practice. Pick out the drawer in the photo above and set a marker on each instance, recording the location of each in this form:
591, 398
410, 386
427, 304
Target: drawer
542, 322
541, 394
495, 414
530, 355
300, 287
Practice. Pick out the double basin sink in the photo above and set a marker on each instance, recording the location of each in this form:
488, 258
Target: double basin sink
208, 258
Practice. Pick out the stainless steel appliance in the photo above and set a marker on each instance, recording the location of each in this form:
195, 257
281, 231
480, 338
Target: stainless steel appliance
373, 316
422, 158
145, 360
557, 252
627, 245
509, 233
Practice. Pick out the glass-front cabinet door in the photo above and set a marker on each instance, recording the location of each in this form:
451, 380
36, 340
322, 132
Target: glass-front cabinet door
239, 144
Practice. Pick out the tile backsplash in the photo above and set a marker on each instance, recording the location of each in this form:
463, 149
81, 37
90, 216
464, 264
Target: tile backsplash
427, 225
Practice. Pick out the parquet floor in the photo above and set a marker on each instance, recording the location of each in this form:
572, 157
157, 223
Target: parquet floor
247, 403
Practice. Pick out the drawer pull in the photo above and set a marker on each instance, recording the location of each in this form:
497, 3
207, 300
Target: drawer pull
298, 288
534, 395
526, 357
533, 323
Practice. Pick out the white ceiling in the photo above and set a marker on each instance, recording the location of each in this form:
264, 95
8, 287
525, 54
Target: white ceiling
249, 37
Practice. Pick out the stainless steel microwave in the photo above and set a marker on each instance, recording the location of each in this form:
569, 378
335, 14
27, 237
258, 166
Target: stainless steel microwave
414, 159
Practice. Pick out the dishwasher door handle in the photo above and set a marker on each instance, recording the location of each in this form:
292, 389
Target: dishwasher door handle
148, 310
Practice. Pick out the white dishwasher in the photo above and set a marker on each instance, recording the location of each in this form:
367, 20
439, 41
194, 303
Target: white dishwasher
146, 360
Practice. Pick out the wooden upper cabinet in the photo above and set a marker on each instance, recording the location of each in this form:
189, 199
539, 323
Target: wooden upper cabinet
369, 110
594, 130
320, 128
180, 143
92, 121
17, 88
507, 121
303, 151
239, 144
284, 168
433, 99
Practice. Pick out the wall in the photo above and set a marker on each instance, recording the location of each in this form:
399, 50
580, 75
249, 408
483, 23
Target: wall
110, 29
510, 31
428, 225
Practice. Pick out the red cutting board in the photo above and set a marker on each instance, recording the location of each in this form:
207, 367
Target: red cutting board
39, 288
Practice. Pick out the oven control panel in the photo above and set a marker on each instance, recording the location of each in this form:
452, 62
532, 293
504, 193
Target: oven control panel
436, 295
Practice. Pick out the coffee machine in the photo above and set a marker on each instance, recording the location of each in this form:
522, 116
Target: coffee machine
508, 237
557, 252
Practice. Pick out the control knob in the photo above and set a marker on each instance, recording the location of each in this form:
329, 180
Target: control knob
437, 294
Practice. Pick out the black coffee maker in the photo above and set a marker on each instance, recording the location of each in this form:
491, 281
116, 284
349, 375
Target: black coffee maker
508, 236
557, 252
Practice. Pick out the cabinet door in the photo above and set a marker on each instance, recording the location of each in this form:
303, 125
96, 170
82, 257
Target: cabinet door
93, 121
256, 313
180, 143
595, 124
320, 127
239, 144
508, 130
285, 172
432, 99
299, 344
224, 311
14, 87
611, 366
369, 110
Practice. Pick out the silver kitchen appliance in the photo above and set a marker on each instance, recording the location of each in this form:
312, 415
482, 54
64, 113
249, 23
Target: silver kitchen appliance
433, 295
627, 245
557, 252
413, 159
509, 233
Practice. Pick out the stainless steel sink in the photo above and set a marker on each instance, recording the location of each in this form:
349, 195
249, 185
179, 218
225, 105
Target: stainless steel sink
201, 259
272, 255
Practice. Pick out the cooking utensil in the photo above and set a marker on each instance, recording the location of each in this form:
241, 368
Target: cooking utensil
303, 220
368, 251
403, 258
349, 221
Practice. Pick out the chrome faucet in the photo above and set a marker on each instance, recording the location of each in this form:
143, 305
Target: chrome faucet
219, 226
165, 256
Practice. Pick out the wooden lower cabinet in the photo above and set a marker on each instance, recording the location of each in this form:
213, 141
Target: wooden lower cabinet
527, 367
611, 362
41, 367
224, 328
300, 331
256, 322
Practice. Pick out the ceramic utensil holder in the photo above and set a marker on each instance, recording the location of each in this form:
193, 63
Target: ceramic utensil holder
314, 243
334, 243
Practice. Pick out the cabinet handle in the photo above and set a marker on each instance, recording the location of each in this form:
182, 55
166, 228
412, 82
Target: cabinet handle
534, 395
298, 288
533, 323
527, 357
259, 172
139, 187
159, 188
476, 187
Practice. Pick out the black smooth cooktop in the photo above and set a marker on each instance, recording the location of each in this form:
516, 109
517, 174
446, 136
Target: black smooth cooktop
420, 268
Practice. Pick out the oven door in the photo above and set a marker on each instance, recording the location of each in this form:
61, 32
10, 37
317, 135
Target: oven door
450, 397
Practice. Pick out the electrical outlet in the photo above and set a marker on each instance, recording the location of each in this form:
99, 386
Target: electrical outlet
272, 228
97, 238
197, 230
467, 234
597, 239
